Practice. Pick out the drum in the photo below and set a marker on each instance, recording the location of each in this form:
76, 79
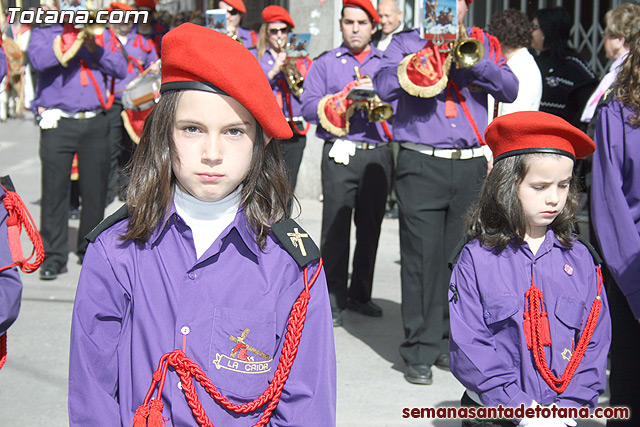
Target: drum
142, 93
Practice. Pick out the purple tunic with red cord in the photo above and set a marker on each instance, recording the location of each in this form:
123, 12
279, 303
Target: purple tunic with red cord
423, 120
143, 52
615, 197
62, 87
136, 301
277, 84
249, 37
489, 354
329, 74
10, 283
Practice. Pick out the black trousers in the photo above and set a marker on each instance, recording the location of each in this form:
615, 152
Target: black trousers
359, 188
90, 139
433, 195
624, 354
121, 148
292, 150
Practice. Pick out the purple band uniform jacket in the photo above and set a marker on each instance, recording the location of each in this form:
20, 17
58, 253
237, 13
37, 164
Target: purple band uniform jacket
60, 87
136, 300
10, 283
615, 197
489, 354
3, 65
423, 120
329, 74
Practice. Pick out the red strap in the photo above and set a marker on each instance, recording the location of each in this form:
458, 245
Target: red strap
20, 217
287, 94
109, 103
387, 131
467, 113
3, 349
187, 368
139, 42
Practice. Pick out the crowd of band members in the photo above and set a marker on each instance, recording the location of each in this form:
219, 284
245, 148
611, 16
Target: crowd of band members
438, 142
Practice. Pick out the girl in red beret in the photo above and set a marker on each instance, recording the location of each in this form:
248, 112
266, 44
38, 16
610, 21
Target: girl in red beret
529, 321
200, 301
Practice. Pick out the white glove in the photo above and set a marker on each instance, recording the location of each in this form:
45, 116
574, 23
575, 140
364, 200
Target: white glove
50, 119
342, 150
547, 422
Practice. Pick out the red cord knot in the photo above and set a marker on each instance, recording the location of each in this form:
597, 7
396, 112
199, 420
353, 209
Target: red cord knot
157, 376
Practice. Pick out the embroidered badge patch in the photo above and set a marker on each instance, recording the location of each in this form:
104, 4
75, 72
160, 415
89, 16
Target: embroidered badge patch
566, 354
243, 357
568, 269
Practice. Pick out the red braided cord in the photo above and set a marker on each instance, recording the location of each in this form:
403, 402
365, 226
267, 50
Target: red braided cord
19, 216
3, 349
467, 113
559, 385
111, 98
186, 368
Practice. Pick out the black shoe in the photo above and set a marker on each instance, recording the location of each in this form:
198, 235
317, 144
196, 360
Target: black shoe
391, 213
336, 315
442, 362
418, 374
368, 308
51, 272
74, 213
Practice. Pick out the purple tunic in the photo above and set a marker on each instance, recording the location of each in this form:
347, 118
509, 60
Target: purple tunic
266, 63
10, 283
3, 65
615, 197
61, 87
489, 354
135, 301
329, 74
423, 120
136, 47
247, 37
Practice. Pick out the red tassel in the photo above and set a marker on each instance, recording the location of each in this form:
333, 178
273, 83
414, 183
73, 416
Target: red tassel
526, 325
130, 68
84, 80
155, 414
140, 418
450, 109
13, 229
545, 334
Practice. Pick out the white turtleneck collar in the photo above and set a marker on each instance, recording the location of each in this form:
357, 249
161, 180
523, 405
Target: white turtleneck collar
206, 219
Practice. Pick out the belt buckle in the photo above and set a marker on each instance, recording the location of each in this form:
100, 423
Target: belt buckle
365, 145
456, 154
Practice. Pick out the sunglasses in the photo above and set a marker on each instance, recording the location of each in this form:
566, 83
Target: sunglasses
232, 11
535, 26
275, 31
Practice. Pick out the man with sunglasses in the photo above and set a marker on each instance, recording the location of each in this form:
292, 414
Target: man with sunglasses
356, 160
235, 11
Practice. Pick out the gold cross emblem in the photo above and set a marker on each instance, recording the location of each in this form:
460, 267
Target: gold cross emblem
240, 340
296, 239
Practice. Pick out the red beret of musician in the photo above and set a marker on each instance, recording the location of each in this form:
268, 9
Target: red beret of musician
220, 65
365, 5
151, 4
118, 5
276, 13
527, 132
237, 5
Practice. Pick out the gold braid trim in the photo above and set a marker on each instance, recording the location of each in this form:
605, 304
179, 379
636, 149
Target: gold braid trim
127, 125
325, 123
64, 58
422, 91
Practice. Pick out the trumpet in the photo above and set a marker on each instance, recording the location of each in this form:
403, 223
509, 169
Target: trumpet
293, 77
376, 110
466, 51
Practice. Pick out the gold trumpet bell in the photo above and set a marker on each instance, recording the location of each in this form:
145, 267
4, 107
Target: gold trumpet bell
378, 111
294, 78
467, 51
93, 28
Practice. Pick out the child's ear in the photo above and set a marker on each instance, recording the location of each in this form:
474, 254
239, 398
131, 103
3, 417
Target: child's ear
267, 139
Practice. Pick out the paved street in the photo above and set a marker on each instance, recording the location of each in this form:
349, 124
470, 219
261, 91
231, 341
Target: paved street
371, 388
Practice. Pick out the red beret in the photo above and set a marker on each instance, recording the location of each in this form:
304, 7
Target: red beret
237, 5
151, 4
276, 13
527, 132
364, 5
118, 5
199, 58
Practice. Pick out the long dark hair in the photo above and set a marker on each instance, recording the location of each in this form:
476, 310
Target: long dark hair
628, 81
498, 217
556, 25
267, 197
